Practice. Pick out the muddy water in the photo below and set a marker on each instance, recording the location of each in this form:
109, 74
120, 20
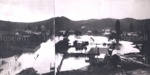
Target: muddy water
41, 60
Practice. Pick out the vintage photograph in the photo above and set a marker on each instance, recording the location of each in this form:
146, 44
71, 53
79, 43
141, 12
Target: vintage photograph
27, 37
74, 37
102, 37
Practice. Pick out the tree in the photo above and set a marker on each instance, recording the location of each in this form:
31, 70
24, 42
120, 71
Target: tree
77, 33
131, 28
117, 31
39, 28
95, 32
28, 27
62, 46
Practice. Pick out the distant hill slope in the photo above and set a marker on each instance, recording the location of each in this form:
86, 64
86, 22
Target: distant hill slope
9, 26
63, 23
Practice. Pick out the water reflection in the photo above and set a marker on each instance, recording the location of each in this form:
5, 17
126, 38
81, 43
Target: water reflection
41, 60
72, 63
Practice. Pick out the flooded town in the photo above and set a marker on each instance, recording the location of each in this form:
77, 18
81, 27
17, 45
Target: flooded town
107, 52
74, 37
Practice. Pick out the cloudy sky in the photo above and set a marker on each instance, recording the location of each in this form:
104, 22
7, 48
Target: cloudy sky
87, 9
37, 10
26, 10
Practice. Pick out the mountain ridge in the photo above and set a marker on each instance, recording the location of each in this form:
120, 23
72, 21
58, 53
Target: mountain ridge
99, 24
64, 23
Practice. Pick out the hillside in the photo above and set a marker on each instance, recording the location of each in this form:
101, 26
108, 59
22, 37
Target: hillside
63, 23
9, 26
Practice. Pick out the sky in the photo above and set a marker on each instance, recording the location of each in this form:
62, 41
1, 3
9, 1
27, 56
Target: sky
98, 9
26, 10
37, 10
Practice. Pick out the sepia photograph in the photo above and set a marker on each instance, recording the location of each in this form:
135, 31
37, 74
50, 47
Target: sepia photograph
27, 37
102, 37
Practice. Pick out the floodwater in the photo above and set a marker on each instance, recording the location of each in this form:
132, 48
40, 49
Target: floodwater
41, 60
73, 63
44, 58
